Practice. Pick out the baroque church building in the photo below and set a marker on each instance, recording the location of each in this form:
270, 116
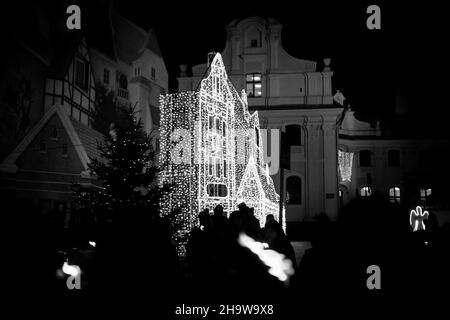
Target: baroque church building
329, 157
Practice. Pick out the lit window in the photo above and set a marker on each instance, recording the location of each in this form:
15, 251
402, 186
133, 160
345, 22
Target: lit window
293, 190
106, 76
42, 146
254, 85
394, 195
217, 190
365, 158
393, 158
81, 73
424, 194
365, 192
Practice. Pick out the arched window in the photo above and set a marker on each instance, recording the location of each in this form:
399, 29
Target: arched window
294, 190
394, 195
293, 135
123, 82
393, 158
365, 158
253, 38
365, 192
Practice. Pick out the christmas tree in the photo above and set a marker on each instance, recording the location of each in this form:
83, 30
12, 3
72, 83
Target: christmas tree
129, 191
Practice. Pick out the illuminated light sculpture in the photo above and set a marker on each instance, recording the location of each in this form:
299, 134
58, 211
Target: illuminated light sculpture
212, 152
345, 165
416, 218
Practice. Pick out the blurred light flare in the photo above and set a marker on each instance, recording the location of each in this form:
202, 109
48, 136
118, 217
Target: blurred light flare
279, 266
71, 270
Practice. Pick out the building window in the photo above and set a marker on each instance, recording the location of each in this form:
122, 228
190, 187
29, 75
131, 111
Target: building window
254, 85
365, 192
64, 150
81, 73
217, 125
217, 190
210, 166
365, 158
210, 122
157, 145
123, 82
253, 37
224, 168
425, 193
53, 133
394, 195
224, 129
122, 91
42, 146
218, 169
137, 71
106, 76
293, 135
153, 73
293, 190
393, 158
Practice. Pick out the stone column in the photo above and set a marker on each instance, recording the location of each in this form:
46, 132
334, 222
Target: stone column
331, 195
314, 175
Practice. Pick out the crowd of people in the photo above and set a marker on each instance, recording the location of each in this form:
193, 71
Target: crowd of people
139, 261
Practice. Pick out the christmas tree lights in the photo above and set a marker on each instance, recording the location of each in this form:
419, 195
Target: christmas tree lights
212, 152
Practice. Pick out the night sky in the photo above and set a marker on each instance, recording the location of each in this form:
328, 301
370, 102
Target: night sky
408, 56
405, 57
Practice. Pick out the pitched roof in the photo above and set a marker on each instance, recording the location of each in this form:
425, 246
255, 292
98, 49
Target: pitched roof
83, 139
151, 43
64, 54
89, 138
131, 40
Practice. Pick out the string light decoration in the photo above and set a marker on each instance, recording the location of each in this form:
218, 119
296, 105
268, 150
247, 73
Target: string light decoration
345, 165
211, 152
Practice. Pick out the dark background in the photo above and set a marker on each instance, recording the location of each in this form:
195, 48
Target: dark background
407, 57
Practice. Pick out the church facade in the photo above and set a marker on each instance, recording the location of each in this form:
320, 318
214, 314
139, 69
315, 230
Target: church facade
296, 98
